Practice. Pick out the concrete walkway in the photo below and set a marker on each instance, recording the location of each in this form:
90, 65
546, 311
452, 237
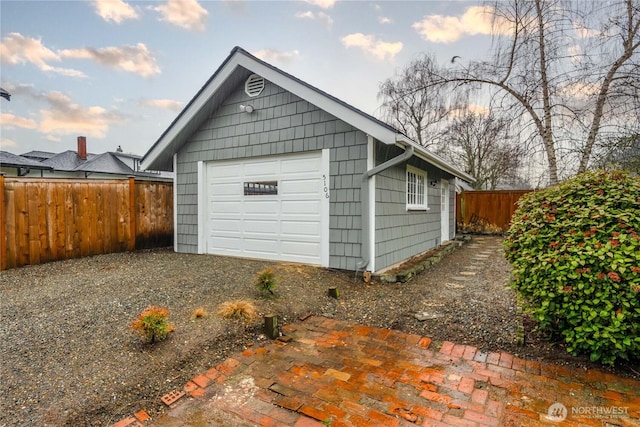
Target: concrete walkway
339, 374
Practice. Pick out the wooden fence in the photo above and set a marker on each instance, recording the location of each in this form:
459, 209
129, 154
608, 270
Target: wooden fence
488, 208
45, 220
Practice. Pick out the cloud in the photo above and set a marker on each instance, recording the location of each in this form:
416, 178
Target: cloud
384, 20
446, 29
463, 110
65, 117
379, 49
272, 55
581, 91
59, 115
10, 121
321, 17
17, 49
167, 104
114, 10
134, 59
585, 33
6, 142
184, 13
324, 4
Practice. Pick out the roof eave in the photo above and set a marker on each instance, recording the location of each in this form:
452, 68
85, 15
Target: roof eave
434, 159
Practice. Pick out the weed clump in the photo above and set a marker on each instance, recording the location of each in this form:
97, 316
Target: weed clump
239, 309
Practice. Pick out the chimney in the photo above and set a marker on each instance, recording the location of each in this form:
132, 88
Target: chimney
82, 147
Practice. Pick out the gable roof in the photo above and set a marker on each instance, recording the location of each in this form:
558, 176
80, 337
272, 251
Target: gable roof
38, 155
104, 163
66, 161
235, 69
14, 161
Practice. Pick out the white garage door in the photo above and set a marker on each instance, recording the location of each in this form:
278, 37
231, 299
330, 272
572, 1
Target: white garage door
273, 207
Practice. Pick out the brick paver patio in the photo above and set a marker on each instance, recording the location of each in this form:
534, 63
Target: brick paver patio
340, 374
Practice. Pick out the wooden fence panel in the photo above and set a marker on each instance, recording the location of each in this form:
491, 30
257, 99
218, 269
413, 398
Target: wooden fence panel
487, 207
154, 219
46, 220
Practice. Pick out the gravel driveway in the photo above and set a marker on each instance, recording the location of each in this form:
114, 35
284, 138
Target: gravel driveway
70, 358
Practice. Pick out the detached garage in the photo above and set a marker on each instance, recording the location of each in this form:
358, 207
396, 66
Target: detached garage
268, 167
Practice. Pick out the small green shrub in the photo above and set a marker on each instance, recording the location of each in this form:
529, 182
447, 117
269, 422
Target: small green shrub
153, 324
266, 282
575, 251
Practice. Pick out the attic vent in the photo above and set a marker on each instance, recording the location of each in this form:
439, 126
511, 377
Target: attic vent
254, 85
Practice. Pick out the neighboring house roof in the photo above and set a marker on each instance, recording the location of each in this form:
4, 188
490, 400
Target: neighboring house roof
69, 161
235, 69
38, 155
104, 163
66, 161
14, 161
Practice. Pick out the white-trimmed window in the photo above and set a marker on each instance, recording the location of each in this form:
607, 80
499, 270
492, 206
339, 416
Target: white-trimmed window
416, 189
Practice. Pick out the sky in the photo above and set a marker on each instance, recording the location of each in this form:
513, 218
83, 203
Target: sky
119, 72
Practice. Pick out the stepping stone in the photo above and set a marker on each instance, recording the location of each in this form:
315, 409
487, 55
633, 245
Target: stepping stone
427, 315
434, 304
453, 285
461, 278
468, 273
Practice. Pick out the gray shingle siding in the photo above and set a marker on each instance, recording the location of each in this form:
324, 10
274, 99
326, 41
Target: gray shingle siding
281, 123
400, 234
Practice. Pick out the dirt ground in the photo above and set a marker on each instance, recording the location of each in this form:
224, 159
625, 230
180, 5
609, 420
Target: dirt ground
69, 356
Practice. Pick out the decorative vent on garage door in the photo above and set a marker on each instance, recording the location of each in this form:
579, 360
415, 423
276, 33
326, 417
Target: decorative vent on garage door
254, 85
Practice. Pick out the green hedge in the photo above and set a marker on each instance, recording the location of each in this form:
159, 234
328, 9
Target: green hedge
575, 251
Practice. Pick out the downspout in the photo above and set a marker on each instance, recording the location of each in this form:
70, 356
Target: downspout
364, 199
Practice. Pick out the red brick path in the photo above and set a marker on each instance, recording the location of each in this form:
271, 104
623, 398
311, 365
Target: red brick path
339, 374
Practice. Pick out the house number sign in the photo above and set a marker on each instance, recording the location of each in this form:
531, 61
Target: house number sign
325, 187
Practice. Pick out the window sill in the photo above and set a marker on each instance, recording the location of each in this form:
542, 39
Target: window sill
417, 209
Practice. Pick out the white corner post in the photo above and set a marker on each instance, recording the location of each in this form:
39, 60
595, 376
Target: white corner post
175, 202
202, 208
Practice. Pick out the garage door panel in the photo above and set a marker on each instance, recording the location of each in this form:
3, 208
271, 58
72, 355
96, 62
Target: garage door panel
285, 226
225, 225
300, 165
296, 248
223, 207
223, 171
254, 169
222, 190
261, 226
299, 228
309, 186
223, 244
266, 207
309, 207
257, 245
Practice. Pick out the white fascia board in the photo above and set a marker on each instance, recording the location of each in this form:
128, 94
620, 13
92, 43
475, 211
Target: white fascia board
434, 159
196, 105
321, 101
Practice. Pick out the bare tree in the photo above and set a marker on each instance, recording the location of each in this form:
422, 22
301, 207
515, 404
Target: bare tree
412, 103
482, 146
570, 68
622, 153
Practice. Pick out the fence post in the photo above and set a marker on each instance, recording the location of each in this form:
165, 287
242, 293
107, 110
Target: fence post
3, 225
132, 213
